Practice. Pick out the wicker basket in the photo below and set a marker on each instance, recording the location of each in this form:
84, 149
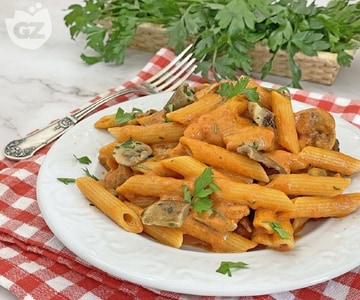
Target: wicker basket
321, 69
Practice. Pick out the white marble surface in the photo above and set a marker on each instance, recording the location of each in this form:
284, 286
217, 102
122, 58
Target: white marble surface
38, 86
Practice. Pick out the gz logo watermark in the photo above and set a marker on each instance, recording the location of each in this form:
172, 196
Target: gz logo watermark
30, 29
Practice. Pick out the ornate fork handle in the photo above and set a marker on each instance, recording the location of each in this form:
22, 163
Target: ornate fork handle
26, 147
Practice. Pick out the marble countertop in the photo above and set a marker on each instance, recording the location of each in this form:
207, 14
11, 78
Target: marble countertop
40, 85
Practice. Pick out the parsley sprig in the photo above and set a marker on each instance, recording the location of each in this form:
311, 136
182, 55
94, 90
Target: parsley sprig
224, 31
204, 186
227, 266
122, 117
85, 160
231, 89
276, 226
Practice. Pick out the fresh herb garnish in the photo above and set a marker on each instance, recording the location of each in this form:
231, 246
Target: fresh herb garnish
87, 172
224, 31
123, 117
227, 266
204, 186
83, 160
66, 180
279, 230
230, 89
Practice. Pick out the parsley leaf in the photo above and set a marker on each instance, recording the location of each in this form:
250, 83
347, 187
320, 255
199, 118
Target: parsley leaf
229, 89
279, 230
227, 266
224, 31
123, 117
83, 160
204, 186
66, 180
87, 172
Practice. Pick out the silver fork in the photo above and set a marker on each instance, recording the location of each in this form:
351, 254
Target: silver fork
168, 79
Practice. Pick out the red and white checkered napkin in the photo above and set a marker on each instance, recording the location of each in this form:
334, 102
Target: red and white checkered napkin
34, 264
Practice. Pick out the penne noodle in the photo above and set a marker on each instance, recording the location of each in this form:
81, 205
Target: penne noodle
285, 122
299, 223
307, 185
172, 237
151, 185
262, 217
220, 242
252, 195
219, 157
191, 112
289, 161
323, 207
274, 240
110, 205
151, 134
330, 160
262, 138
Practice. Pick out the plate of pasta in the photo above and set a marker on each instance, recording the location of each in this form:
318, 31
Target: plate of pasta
318, 246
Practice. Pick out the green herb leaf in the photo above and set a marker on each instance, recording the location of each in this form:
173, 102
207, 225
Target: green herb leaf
203, 188
66, 180
87, 172
279, 230
83, 160
227, 266
224, 31
229, 89
123, 117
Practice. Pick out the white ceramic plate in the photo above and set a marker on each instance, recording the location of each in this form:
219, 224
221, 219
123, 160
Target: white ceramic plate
325, 250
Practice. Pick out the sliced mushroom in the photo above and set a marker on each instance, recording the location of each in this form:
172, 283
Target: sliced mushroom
131, 152
169, 213
261, 115
255, 154
183, 96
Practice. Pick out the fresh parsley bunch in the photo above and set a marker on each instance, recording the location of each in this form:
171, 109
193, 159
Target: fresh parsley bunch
224, 31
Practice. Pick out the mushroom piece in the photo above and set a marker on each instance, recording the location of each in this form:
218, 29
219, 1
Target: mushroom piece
255, 154
261, 115
183, 96
169, 213
316, 127
130, 152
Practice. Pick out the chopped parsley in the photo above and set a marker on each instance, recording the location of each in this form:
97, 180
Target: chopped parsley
227, 266
229, 89
123, 117
279, 230
204, 186
66, 180
83, 160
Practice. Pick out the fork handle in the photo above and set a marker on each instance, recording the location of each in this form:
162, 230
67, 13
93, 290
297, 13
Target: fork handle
26, 147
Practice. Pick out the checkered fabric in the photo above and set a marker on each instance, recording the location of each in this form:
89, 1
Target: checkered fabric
34, 264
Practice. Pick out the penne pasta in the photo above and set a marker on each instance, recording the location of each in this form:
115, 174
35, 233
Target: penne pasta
191, 112
221, 174
304, 184
323, 207
172, 237
285, 122
151, 185
275, 240
252, 195
110, 205
219, 157
330, 160
220, 242
151, 134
